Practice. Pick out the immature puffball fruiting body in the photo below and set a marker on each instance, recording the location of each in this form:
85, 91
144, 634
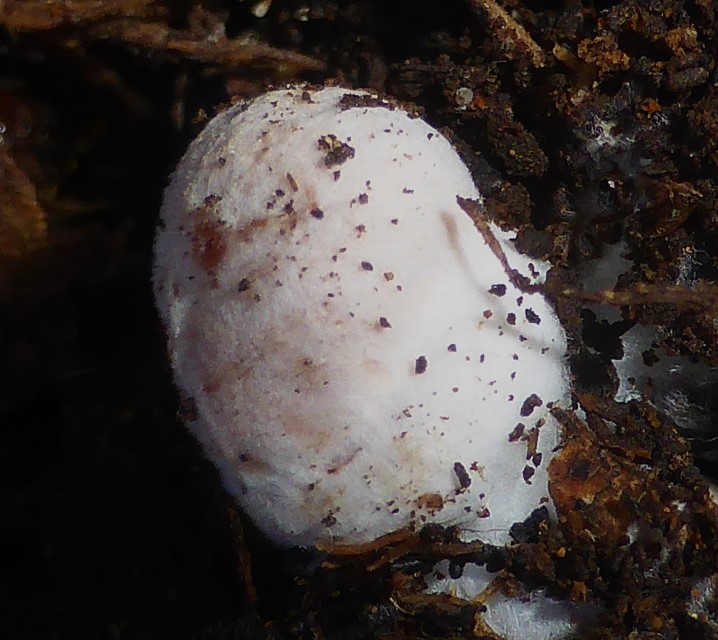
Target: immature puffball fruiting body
356, 355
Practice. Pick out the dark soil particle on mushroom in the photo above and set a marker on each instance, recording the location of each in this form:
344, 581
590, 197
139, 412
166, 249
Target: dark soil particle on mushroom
421, 365
336, 151
114, 525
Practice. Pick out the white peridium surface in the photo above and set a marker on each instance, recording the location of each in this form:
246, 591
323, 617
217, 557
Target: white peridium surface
355, 352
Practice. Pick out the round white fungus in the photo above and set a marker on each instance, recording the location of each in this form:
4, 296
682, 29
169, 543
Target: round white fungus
357, 357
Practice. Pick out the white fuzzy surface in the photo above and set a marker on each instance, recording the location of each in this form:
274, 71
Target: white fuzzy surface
529, 616
276, 278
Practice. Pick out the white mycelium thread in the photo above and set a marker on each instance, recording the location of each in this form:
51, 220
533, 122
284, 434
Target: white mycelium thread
358, 359
527, 616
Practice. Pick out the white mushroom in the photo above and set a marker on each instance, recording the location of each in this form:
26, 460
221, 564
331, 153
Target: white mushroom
358, 357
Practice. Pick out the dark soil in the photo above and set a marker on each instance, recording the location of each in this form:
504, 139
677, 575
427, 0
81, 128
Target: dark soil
591, 122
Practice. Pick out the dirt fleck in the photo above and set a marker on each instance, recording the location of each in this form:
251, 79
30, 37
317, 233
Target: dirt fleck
336, 151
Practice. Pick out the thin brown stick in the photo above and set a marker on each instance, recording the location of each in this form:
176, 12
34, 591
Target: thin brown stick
350, 550
215, 50
474, 210
701, 296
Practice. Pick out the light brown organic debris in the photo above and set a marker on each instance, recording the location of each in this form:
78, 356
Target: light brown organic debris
515, 40
41, 15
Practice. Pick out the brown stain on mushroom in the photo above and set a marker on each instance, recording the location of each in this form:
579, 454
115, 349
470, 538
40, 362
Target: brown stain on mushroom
452, 231
311, 374
453, 237
208, 240
246, 232
340, 462
312, 433
251, 464
373, 368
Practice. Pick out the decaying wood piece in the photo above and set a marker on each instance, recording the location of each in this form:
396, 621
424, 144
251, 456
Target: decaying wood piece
23, 222
143, 24
515, 40
41, 15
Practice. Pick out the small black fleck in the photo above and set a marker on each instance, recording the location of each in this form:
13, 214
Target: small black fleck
462, 475
452, 348
367, 266
244, 284
532, 317
517, 432
421, 365
384, 323
292, 183
528, 474
530, 404
511, 318
317, 213
363, 198
406, 190
498, 290
329, 520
